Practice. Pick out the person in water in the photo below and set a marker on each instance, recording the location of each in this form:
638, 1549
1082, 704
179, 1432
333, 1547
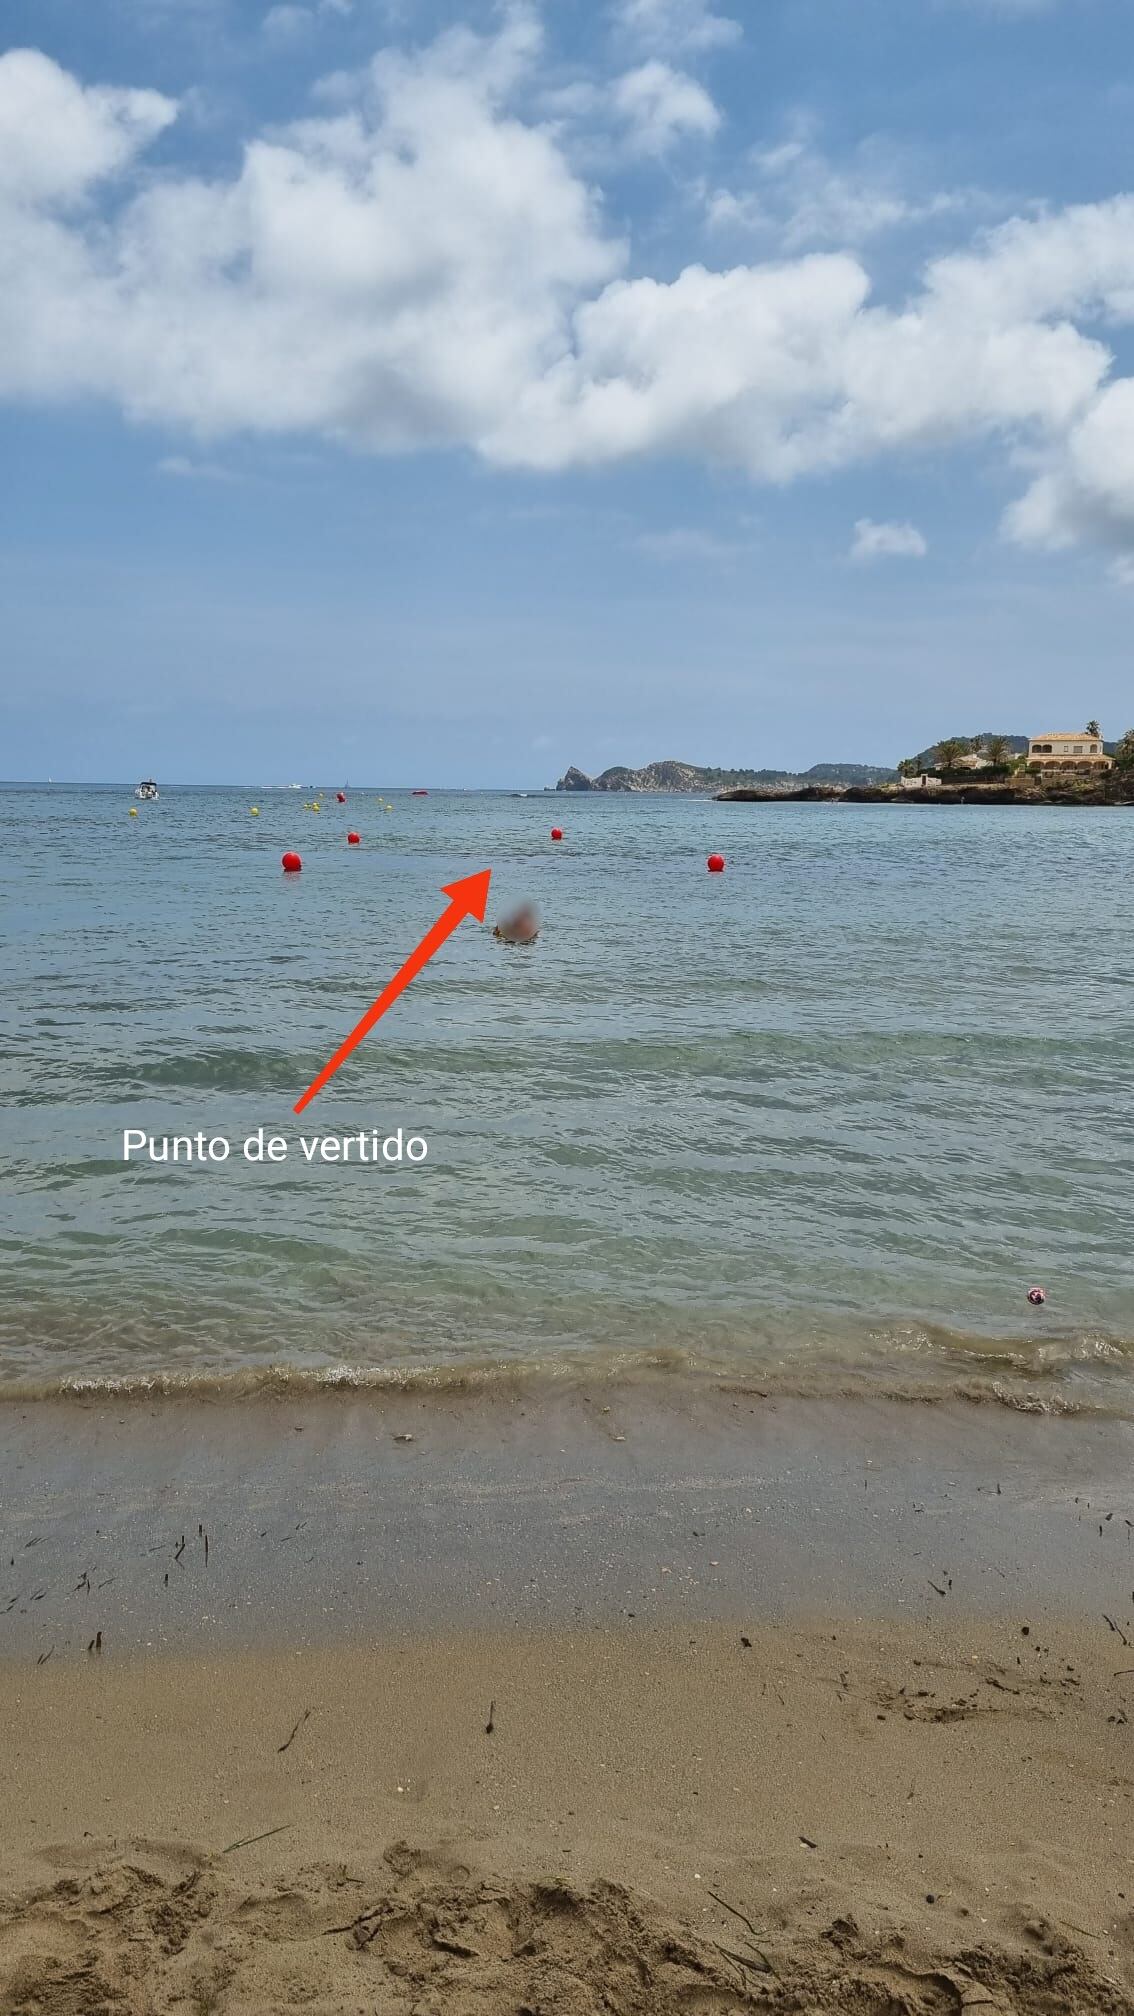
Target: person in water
520, 929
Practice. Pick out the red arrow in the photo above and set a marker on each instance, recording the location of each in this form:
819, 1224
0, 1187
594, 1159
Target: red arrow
468, 898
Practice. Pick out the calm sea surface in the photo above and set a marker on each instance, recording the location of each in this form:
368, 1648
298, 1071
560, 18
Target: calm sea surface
821, 1120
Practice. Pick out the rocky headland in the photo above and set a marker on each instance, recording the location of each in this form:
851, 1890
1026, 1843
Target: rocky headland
700, 780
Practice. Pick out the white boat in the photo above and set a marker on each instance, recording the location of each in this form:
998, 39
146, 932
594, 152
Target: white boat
146, 789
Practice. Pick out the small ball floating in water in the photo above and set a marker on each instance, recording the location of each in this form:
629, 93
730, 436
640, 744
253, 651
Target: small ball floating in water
1037, 1296
133, 811
715, 864
557, 832
254, 811
290, 863
341, 796
353, 840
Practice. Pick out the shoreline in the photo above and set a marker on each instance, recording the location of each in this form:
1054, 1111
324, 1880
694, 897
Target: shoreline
165, 1525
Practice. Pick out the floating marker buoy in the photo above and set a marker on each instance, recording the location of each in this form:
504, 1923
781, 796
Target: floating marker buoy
133, 811
291, 864
341, 796
1037, 1295
254, 811
557, 832
353, 840
715, 864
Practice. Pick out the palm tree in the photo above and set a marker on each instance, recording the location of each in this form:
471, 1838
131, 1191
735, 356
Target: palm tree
950, 751
1124, 754
908, 767
1094, 729
998, 750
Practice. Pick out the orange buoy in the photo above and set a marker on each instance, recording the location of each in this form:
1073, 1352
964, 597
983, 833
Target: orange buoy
291, 864
715, 864
353, 840
557, 832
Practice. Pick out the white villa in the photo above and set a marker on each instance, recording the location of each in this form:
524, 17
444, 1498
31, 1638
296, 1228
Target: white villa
1075, 752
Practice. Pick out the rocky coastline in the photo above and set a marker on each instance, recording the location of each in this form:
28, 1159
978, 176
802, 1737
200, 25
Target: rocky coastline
1029, 793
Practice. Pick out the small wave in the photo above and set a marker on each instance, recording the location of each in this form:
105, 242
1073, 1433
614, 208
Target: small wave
682, 1374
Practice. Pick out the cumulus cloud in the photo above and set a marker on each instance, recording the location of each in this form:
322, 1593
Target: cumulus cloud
676, 25
873, 541
659, 105
59, 139
421, 266
1088, 491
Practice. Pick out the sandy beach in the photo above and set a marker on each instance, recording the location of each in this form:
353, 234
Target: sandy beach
699, 1703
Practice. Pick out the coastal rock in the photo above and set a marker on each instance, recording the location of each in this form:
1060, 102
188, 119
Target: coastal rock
696, 779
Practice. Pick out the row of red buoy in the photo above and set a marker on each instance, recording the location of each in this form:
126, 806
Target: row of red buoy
291, 863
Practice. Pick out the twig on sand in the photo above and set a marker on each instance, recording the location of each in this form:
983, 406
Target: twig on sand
250, 1838
1116, 1627
491, 1722
375, 1911
291, 1739
742, 1959
747, 1922
45, 1656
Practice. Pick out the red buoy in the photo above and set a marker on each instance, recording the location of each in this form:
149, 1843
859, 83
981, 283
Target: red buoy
291, 864
557, 832
352, 840
716, 864
341, 796
1037, 1296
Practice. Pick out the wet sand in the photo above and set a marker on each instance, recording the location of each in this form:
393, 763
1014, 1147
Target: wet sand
703, 1703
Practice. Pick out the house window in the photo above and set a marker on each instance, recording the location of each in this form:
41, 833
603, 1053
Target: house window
1078, 749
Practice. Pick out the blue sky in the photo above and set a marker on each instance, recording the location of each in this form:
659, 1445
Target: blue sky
415, 392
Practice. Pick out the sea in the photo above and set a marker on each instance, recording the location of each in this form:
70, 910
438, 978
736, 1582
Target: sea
815, 1124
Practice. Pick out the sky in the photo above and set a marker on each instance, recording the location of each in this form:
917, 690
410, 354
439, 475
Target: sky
449, 393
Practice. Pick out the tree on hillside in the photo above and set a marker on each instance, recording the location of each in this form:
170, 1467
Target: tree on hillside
998, 750
908, 767
976, 746
1124, 754
1094, 729
950, 751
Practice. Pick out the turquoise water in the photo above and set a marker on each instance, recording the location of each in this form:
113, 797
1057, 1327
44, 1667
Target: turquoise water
822, 1119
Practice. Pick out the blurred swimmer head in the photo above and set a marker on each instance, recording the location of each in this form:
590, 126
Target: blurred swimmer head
521, 928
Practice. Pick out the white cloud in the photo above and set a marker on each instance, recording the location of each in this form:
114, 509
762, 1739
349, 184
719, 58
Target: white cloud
204, 472
1087, 492
60, 139
287, 23
689, 542
659, 106
676, 25
801, 199
421, 266
874, 541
